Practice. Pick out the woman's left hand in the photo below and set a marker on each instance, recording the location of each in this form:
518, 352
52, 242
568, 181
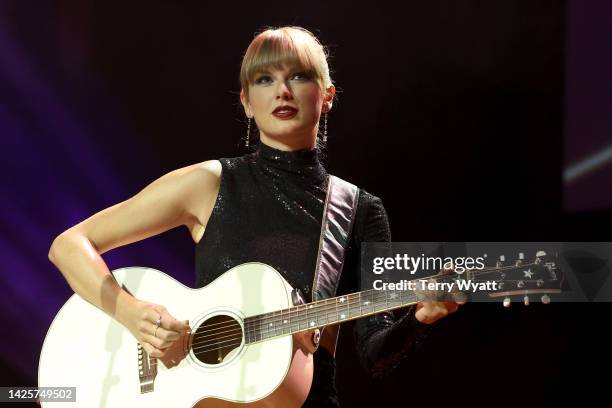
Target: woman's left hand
429, 312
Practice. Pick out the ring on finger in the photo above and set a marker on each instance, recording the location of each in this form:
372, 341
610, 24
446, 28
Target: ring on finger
157, 324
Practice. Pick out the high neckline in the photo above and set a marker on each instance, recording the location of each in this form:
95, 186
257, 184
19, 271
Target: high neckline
303, 164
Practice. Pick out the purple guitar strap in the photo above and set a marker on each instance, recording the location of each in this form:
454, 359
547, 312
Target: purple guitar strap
336, 227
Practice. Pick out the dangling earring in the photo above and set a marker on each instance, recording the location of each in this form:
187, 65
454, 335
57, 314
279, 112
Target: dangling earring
248, 134
325, 128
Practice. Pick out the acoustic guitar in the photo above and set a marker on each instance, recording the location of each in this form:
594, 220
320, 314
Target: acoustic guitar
249, 343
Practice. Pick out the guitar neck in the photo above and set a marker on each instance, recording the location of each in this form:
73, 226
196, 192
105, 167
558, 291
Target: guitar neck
325, 312
536, 277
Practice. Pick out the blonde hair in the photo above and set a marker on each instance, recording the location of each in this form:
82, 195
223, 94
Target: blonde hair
276, 47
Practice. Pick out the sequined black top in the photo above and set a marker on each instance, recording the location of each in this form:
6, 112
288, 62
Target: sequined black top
269, 209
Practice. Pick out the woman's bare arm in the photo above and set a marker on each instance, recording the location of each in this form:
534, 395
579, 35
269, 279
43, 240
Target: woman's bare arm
182, 197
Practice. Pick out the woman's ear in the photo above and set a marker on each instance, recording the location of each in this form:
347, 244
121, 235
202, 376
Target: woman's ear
328, 98
245, 104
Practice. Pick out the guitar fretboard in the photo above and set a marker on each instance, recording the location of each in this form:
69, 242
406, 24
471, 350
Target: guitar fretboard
355, 305
325, 312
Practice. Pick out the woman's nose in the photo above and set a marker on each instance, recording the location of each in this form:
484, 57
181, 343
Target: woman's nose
284, 92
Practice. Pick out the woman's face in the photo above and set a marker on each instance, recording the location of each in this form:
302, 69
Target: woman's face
286, 105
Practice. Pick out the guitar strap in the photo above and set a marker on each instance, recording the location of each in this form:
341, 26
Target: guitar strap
336, 227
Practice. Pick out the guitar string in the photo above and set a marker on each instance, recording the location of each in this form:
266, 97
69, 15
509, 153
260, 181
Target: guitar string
281, 314
302, 323
205, 346
292, 322
294, 311
290, 317
435, 277
324, 307
491, 270
274, 332
270, 333
332, 302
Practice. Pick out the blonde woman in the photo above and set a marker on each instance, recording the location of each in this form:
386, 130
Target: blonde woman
265, 206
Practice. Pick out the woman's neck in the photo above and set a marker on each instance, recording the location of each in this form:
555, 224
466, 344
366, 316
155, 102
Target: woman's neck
288, 145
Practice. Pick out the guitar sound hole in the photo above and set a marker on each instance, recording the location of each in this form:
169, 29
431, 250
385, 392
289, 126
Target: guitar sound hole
216, 338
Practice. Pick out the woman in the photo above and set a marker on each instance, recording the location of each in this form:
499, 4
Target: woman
266, 206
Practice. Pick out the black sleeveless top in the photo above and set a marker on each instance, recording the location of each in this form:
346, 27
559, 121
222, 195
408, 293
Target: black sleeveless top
269, 209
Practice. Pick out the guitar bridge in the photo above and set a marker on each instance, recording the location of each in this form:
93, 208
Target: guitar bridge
147, 370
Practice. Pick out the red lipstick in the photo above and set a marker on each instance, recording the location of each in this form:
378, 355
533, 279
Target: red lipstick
285, 112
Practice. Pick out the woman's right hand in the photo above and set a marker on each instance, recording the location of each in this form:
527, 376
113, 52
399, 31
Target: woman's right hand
142, 321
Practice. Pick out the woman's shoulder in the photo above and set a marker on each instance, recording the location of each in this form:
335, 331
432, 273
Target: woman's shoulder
212, 172
370, 209
238, 170
193, 182
209, 170
368, 202
366, 197
372, 224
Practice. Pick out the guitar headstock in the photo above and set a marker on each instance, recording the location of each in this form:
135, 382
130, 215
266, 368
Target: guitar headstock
520, 279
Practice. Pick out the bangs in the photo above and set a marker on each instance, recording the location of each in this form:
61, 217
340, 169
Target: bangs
276, 52
277, 48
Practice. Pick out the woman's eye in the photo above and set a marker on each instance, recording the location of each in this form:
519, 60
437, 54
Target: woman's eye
300, 76
267, 79
264, 79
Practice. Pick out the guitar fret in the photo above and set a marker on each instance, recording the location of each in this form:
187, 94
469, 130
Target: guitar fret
308, 317
324, 314
339, 311
310, 321
293, 324
386, 300
353, 307
378, 304
283, 323
273, 326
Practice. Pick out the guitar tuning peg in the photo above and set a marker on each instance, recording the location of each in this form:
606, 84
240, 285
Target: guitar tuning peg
545, 299
507, 302
526, 300
500, 263
521, 257
539, 256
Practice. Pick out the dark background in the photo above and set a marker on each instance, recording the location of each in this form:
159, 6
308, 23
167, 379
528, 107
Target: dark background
454, 113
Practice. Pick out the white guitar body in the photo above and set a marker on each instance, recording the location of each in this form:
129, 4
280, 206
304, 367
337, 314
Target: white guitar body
87, 349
